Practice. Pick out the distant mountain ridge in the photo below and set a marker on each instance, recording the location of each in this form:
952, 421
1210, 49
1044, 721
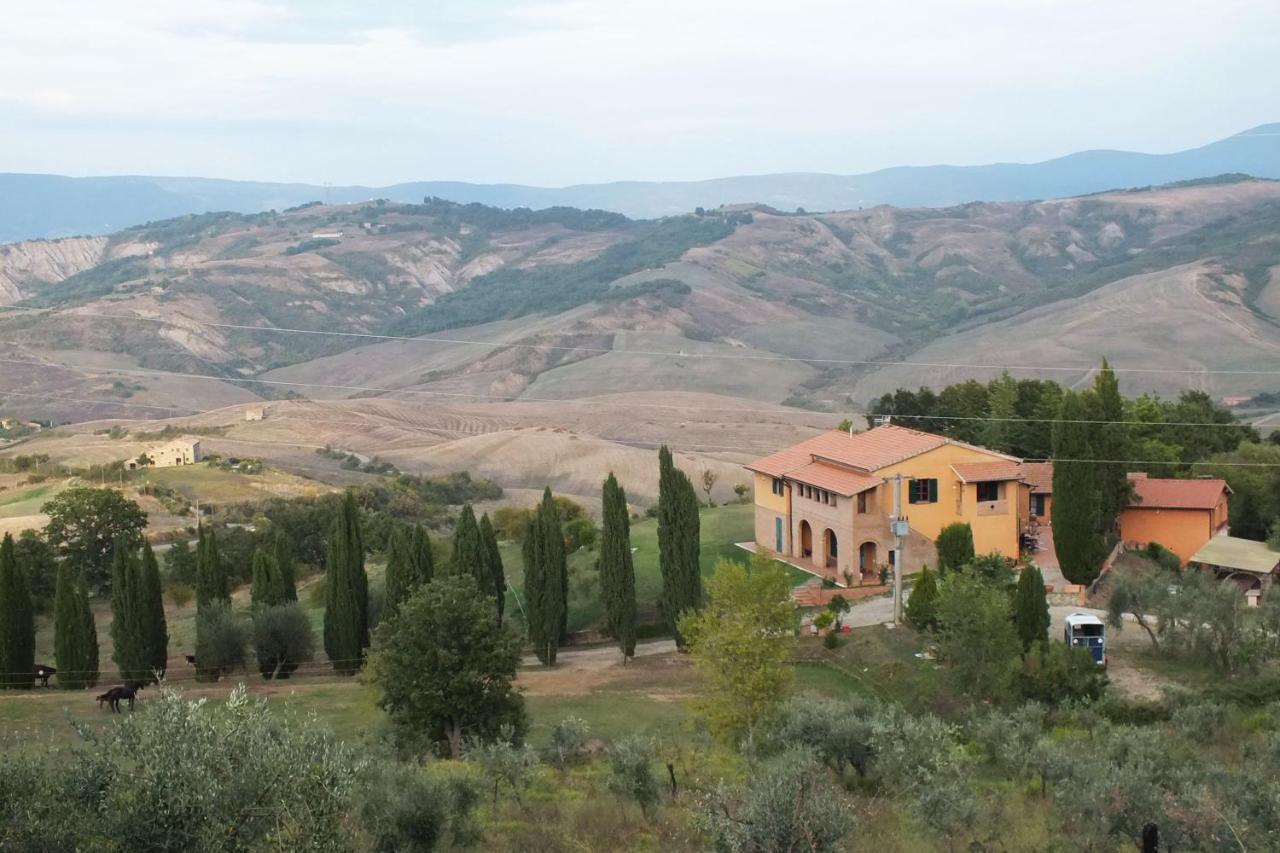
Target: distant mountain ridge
44, 206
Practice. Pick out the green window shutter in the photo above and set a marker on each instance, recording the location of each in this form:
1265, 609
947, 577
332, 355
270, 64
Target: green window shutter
933, 491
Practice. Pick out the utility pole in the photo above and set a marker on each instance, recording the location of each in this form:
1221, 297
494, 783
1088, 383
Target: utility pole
898, 526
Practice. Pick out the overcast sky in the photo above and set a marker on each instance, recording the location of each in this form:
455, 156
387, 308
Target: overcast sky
554, 93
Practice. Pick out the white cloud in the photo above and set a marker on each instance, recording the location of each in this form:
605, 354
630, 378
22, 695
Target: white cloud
549, 92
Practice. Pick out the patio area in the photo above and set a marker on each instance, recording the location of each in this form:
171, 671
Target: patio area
820, 572
1046, 557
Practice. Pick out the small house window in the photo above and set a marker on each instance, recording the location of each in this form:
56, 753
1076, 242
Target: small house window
777, 486
988, 492
923, 491
862, 502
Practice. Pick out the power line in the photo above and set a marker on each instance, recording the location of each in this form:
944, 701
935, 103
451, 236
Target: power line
666, 354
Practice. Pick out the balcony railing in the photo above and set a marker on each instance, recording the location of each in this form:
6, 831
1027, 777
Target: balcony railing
993, 508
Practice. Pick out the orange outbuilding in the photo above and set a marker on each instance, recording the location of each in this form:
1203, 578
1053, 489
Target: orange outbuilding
1181, 515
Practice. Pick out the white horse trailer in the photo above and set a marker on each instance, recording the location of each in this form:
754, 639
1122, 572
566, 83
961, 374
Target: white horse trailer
1086, 631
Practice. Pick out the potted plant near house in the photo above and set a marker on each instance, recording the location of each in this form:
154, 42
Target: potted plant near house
823, 622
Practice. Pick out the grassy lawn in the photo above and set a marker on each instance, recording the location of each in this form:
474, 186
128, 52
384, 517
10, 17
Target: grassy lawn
647, 698
28, 500
721, 528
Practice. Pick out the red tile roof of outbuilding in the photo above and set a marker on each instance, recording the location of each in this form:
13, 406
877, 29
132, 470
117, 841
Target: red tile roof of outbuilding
1040, 477
1160, 493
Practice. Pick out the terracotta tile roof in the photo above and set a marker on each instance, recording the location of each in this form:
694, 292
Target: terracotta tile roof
1160, 493
833, 478
866, 451
1040, 476
986, 472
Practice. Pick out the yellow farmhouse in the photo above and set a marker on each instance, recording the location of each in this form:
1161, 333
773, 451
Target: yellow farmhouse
826, 503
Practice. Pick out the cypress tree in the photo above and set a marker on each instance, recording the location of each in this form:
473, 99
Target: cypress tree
922, 606
543, 602
282, 550
399, 581
420, 556
468, 550
1076, 499
617, 571
267, 588
1110, 445
493, 559
556, 559
678, 545
88, 634
17, 623
128, 630
998, 431
954, 546
151, 600
346, 611
1031, 608
211, 578
70, 644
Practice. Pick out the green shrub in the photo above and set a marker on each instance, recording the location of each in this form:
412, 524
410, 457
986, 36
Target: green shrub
404, 807
221, 641
1054, 673
184, 776
1163, 557
631, 772
787, 798
1133, 712
180, 594
1247, 693
954, 546
568, 741
282, 639
922, 605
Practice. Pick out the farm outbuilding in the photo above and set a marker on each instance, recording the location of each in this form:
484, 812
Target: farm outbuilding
1250, 565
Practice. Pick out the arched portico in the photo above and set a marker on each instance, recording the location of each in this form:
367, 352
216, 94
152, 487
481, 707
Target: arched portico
868, 557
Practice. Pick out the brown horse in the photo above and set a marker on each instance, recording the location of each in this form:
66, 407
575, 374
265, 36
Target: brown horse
116, 695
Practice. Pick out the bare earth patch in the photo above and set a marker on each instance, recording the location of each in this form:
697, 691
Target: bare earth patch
579, 673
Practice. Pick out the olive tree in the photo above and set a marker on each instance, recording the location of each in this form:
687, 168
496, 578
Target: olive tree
445, 668
788, 803
184, 777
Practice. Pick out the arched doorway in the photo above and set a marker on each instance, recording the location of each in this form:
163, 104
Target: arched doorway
806, 540
1250, 586
868, 559
830, 548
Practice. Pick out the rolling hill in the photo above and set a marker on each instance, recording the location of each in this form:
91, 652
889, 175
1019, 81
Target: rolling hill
56, 205
476, 302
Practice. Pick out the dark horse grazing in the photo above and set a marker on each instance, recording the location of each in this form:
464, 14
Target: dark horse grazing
43, 671
116, 695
